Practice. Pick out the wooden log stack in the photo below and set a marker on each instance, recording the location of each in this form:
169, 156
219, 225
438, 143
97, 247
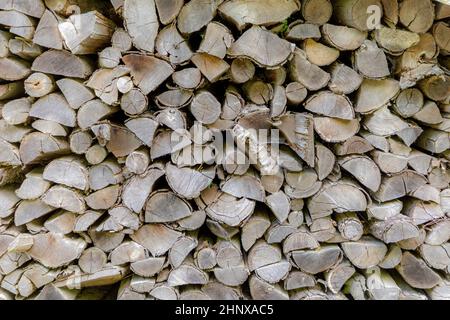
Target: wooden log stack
132, 165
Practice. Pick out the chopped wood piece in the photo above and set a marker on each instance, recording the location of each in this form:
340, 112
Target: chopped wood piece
62, 63
141, 22
268, 51
314, 79
143, 70
87, 32
416, 273
417, 16
196, 14
354, 13
244, 12
168, 9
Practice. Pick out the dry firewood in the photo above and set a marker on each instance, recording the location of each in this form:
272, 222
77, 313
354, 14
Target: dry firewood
188, 78
61, 222
295, 93
338, 276
96, 154
244, 12
318, 260
436, 256
175, 98
258, 91
141, 22
354, 145
299, 280
143, 70
298, 130
331, 105
317, 12
62, 63
104, 198
205, 258
75, 92
277, 51
354, 13
413, 243
325, 161
38, 146
205, 107
344, 80
29, 210
439, 31
217, 40
64, 249
302, 31
416, 273
399, 185
302, 184
187, 274
196, 14
144, 128
47, 33
408, 102
147, 267
350, 226
119, 140
374, 94
254, 229
363, 169
33, 186
75, 173
334, 129
44, 107
319, 54
137, 161
95, 32
344, 197
275, 272
170, 43
394, 229
367, 57
163, 206
92, 260
64, 198
11, 90
23, 49
80, 141
164, 292
14, 69
109, 57
168, 10
121, 40
438, 233
365, 253
314, 79
392, 257
210, 66
323, 229
380, 285
157, 238
409, 15
435, 87
429, 114
8, 201
389, 162
16, 111
261, 290
104, 174
18, 23
395, 41
262, 254
422, 212
127, 252
343, 38
439, 292
38, 85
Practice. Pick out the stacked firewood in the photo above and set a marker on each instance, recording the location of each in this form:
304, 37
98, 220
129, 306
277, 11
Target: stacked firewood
237, 149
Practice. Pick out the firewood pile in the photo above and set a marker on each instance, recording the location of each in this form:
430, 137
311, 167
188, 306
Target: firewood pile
237, 149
